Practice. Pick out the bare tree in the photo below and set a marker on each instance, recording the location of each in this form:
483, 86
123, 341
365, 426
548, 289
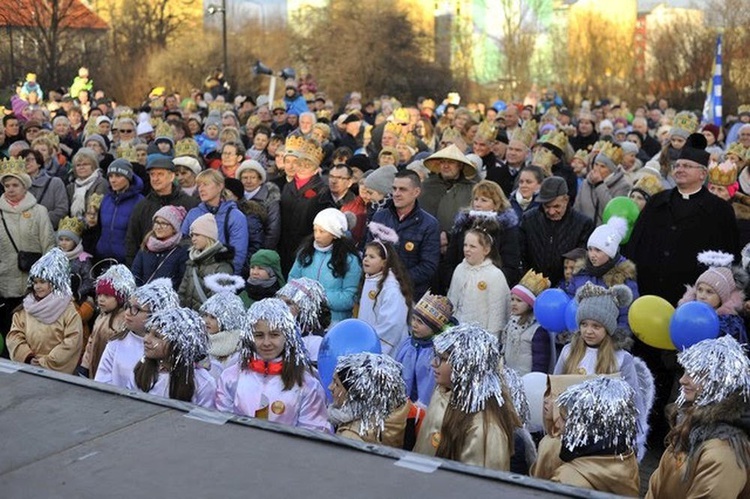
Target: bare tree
520, 28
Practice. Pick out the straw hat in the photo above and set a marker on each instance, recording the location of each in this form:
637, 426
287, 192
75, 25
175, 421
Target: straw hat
452, 153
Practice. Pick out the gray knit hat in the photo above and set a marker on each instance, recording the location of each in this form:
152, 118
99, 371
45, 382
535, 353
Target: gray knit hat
381, 180
601, 304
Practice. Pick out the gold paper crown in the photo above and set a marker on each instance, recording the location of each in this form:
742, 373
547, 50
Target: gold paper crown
598, 145
722, 173
71, 224
613, 152
737, 149
486, 132
128, 152
534, 282
305, 148
323, 114
278, 104
650, 184
551, 115
581, 154
95, 201
392, 127
745, 108
164, 129
90, 128
13, 167
50, 136
253, 121
685, 120
219, 106
401, 115
544, 159
428, 104
126, 113
409, 139
558, 140
187, 147
524, 135
531, 126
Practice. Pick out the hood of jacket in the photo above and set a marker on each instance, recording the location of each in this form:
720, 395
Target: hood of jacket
465, 219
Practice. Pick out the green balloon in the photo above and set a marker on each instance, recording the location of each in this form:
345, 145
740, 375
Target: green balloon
623, 207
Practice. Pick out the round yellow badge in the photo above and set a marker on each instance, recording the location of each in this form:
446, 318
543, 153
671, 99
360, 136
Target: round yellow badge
372, 294
278, 407
26, 214
482, 285
435, 439
409, 246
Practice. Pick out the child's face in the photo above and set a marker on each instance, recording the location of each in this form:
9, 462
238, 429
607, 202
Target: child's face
269, 342
199, 241
338, 391
372, 263
419, 329
518, 306
154, 346
474, 251
141, 156
322, 237
106, 303
259, 273
568, 268
66, 243
212, 132
387, 160
690, 389
41, 288
441, 369
597, 257
706, 294
592, 332
212, 324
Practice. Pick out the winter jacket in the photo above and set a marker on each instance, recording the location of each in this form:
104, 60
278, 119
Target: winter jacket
418, 242
623, 272
526, 347
298, 210
101, 333
119, 359
340, 291
269, 196
236, 228
669, 234
141, 217
55, 197
82, 282
501, 174
517, 206
592, 199
170, 263
415, 355
212, 260
443, 199
543, 241
480, 294
114, 216
394, 429
255, 216
386, 311
56, 346
506, 241
615, 474
98, 186
31, 230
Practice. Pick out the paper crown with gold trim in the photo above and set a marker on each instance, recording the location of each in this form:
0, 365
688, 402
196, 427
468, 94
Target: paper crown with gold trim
738, 150
598, 145
557, 142
392, 127
127, 151
409, 139
526, 133
164, 129
71, 224
551, 115
451, 135
304, 148
428, 104
49, 136
610, 155
683, 124
582, 154
743, 109
401, 115
530, 286
724, 173
124, 113
544, 159
486, 132
278, 104
186, 147
648, 185
90, 128
253, 121
13, 167
95, 201
323, 114
221, 106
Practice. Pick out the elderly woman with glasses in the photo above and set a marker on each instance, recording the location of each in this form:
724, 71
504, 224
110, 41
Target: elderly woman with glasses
87, 180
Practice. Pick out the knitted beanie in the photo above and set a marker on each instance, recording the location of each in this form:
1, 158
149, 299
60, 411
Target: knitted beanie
720, 279
601, 304
381, 180
607, 237
123, 167
191, 164
172, 214
332, 221
269, 259
435, 311
251, 165
205, 225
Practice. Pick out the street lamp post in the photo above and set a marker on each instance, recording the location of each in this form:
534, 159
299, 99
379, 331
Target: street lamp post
214, 9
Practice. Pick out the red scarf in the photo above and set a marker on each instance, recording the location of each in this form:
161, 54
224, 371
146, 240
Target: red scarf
264, 367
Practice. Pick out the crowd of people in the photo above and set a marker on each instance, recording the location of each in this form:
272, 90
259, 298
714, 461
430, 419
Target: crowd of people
200, 248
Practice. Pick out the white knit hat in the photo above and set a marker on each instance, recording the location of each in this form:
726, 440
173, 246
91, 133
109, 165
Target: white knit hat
607, 237
332, 221
251, 164
191, 164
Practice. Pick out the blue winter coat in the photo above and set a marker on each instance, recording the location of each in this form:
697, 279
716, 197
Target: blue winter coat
114, 217
147, 262
415, 354
517, 207
340, 291
418, 242
237, 229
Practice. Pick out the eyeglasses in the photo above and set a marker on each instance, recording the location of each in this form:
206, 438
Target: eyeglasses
279, 113
162, 224
122, 130
337, 178
686, 166
437, 360
134, 309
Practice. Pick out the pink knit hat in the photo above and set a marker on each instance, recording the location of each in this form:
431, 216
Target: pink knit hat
720, 279
205, 225
172, 214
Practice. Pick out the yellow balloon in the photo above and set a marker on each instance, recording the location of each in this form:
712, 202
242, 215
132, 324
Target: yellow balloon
649, 318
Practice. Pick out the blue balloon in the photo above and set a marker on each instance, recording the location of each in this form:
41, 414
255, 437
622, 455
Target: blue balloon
549, 309
499, 105
693, 322
346, 337
570, 316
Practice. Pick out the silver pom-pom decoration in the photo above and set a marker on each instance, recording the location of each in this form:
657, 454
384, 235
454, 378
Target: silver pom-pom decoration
228, 309
54, 268
278, 316
184, 329
599, 410
158, 295
720, 367
309, 296
375, 388
475, 356
517, 394
121, 279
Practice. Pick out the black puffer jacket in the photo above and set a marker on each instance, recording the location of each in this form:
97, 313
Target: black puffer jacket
543, 242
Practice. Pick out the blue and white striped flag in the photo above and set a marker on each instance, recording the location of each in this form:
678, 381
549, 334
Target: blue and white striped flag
712, 107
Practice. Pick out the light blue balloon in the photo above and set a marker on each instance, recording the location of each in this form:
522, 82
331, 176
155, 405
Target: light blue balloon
693, 322
347, 337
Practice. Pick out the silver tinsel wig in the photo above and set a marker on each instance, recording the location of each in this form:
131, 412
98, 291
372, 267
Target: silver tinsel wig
158, 295
375, 387
278, 316
228, 309
599, 410
54, 268
119, 280
719, 367
517, 394
309, 296
475, 356
184, 329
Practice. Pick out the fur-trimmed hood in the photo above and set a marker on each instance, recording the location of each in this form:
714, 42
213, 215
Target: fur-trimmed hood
505, 220
730, 307
741, 206
623, 270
